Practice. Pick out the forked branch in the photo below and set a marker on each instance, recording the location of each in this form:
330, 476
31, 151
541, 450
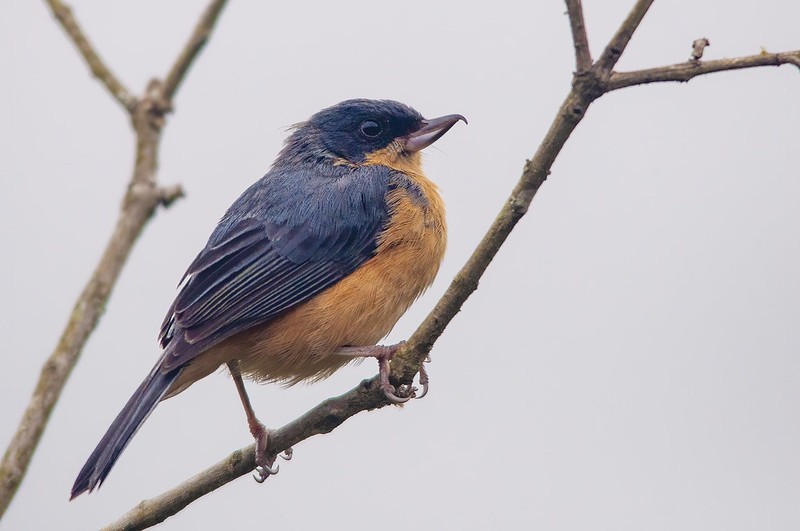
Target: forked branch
141, 200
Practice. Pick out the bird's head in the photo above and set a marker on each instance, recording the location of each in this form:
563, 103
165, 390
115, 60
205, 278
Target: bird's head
356, 132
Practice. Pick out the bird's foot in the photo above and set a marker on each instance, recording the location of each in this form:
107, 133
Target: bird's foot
264, 462
384, 355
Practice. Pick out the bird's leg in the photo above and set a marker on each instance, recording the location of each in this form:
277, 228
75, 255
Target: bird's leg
384, 354
259, 432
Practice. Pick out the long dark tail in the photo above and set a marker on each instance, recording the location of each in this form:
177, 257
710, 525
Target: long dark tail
122, 430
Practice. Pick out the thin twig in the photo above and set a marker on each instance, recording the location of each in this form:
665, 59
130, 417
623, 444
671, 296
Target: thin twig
583, 56
622, 37
141, 200
197, 41
683, 72
63, 14
698, 48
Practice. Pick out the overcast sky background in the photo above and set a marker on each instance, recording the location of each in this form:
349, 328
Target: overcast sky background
630, 361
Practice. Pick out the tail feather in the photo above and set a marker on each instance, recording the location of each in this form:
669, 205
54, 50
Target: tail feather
122, 430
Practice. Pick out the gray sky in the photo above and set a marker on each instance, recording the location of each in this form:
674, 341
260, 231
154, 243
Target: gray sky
629, 362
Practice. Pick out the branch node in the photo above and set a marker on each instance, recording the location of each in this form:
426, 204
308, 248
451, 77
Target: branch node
156, 104
698, 47
170, 194
518, 207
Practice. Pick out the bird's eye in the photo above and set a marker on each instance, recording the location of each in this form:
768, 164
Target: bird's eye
370, 129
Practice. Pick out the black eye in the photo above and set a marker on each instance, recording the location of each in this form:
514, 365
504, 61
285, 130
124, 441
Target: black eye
370, 129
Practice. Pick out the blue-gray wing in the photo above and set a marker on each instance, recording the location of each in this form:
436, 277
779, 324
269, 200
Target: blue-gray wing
291, 235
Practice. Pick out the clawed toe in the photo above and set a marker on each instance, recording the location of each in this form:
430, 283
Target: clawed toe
264, 471
389, 392
385, 356
404, 393
423, 377
287, 454
264, 463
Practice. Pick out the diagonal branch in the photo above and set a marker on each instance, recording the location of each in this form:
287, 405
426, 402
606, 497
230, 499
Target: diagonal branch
141, 200
622, 37
324, 418
683, 72
197, 41
63, 14
583, 56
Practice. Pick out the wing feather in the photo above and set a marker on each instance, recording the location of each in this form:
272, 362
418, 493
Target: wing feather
290, 236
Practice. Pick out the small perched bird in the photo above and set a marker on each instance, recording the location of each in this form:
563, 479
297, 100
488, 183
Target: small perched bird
306, 271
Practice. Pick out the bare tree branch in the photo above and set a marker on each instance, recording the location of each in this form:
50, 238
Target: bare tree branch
583, 56
151, 512
622, 37
63, 14
324, 418
685, 71
196, 42
142, 198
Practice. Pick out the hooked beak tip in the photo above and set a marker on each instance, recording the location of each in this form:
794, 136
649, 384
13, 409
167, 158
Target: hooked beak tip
431, 131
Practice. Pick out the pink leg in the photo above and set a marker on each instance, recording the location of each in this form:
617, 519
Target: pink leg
384, 354
257, 429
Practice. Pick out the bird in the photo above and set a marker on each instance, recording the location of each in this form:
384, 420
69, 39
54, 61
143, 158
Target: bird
306, 271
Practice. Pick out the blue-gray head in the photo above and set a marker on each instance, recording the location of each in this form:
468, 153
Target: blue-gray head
352, 130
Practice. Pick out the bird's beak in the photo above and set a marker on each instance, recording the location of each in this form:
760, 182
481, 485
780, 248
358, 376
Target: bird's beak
430, 131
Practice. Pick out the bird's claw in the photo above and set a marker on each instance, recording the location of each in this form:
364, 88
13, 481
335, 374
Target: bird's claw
389, 392
424, 391
386, 355
264, 463
264, 471
423, 377
404, 393
287, 454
